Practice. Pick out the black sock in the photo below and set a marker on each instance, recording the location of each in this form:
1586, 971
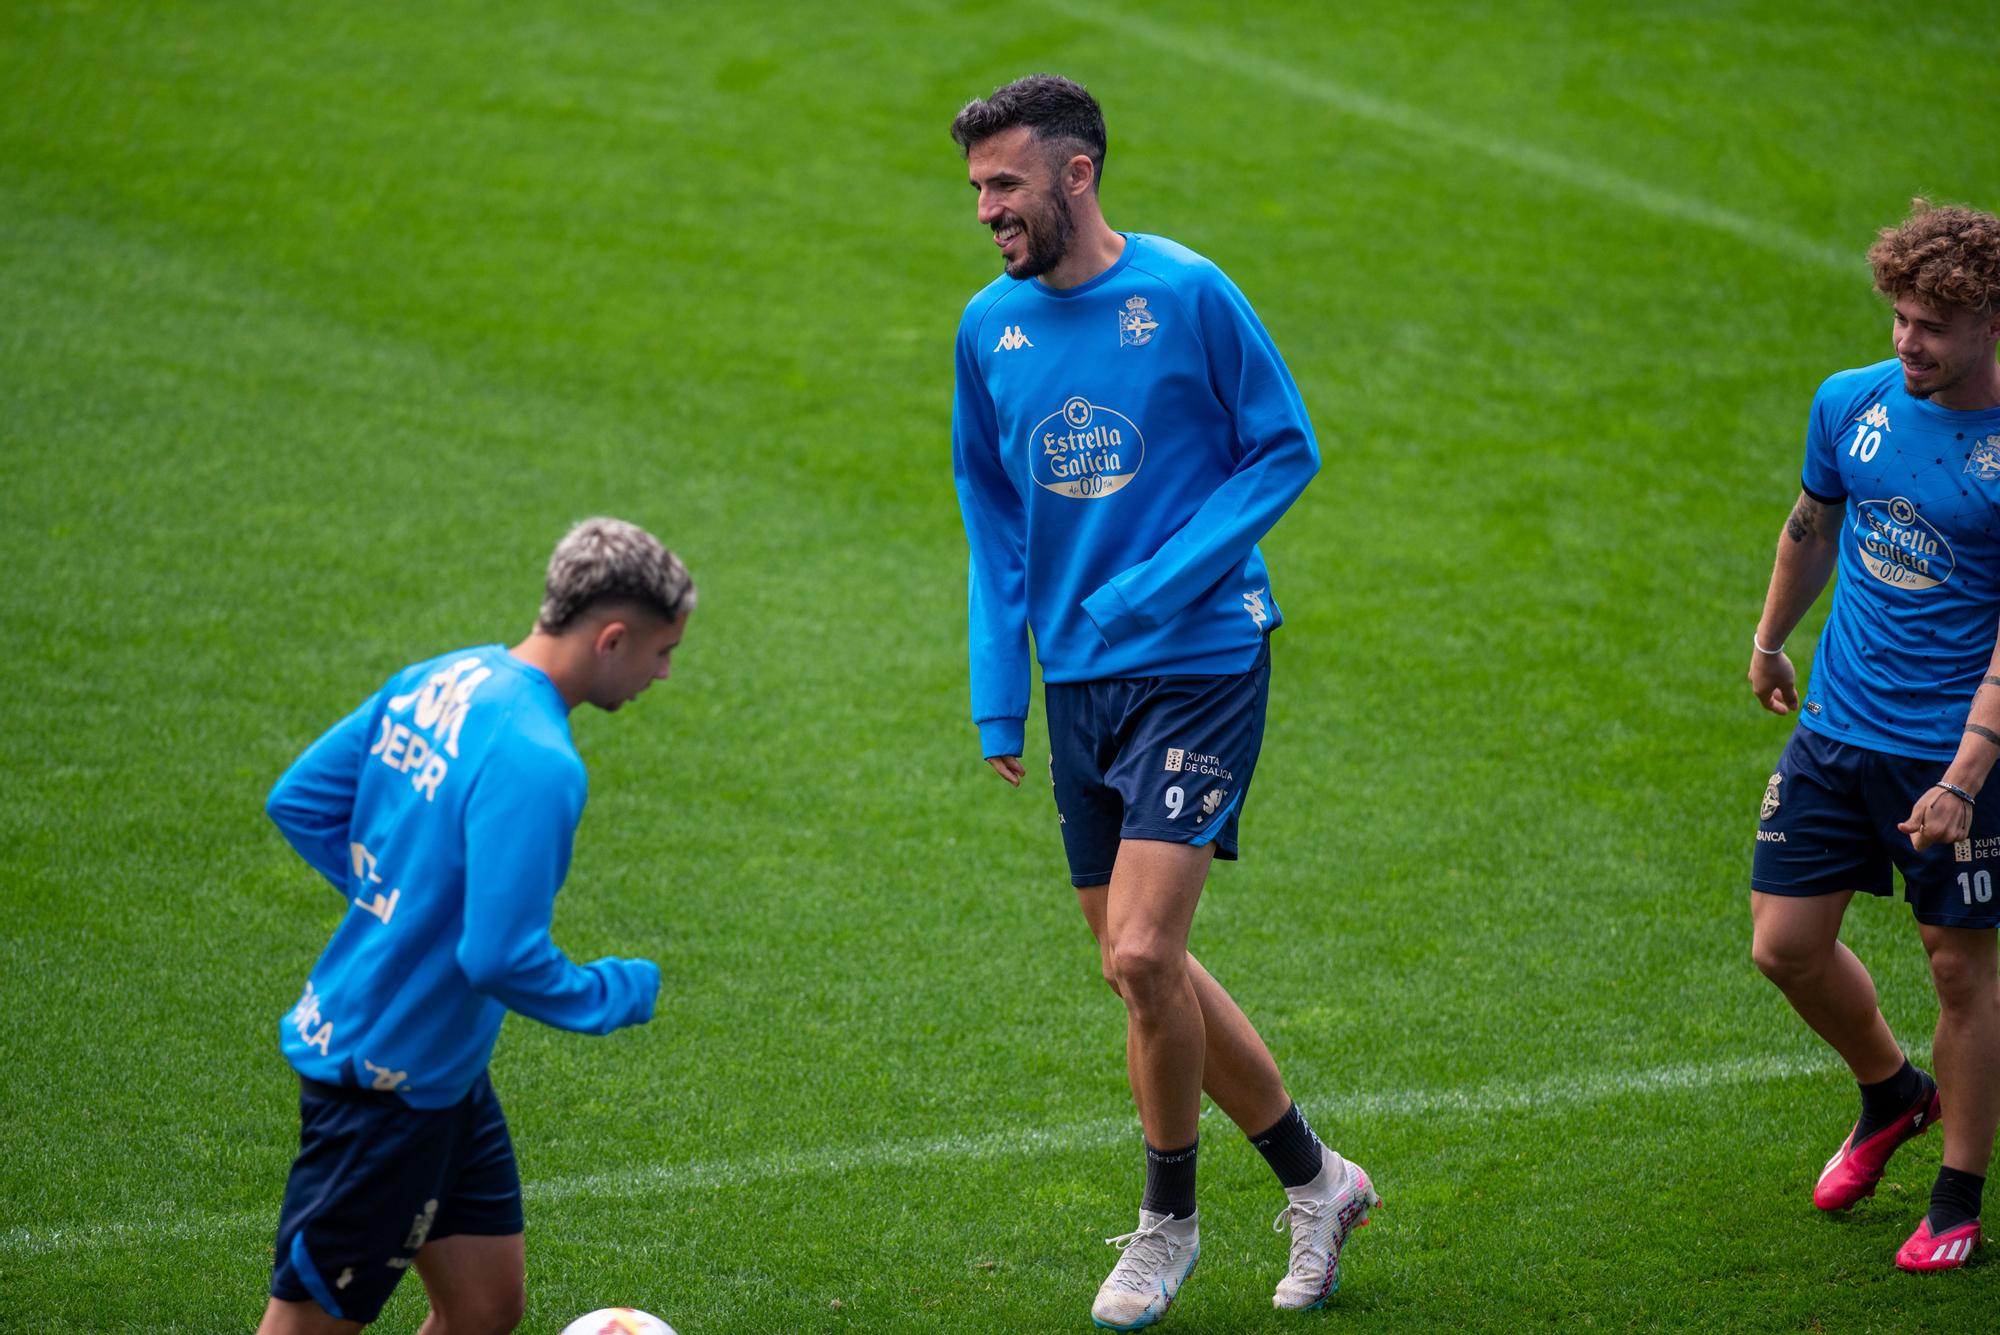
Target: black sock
1954, 1199
1886, 1100
1170, 1181
1291, 1149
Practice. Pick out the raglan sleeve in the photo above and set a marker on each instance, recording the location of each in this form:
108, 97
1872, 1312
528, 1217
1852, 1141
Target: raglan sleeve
520, 822
312, 804
1820, 477
997, 572
1276, 455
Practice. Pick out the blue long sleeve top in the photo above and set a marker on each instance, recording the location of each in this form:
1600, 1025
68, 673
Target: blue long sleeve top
1119, 448
443, 809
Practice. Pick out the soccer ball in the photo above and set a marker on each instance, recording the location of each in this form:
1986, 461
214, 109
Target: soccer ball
618, 1321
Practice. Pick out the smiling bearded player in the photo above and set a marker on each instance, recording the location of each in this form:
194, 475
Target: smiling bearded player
1124, 432
1902, 724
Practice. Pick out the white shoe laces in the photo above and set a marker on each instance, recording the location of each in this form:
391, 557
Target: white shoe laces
1147, 1254
1305, 1218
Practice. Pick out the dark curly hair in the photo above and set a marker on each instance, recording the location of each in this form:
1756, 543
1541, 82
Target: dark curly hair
1064, 117
1943, 256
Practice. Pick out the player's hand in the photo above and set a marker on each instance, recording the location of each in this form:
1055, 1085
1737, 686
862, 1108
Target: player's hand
1937, 818
1009, 768
1773, 681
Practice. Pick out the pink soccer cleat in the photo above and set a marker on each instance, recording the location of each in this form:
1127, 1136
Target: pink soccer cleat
1853, 1171
1944, 1251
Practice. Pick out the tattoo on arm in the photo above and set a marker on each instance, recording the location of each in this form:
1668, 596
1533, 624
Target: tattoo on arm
1804, 520
1987, 733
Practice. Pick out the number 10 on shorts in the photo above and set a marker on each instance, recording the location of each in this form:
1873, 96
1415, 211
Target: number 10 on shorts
1976, 886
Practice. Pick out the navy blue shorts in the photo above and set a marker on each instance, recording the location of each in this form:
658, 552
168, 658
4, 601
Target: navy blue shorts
1165, 758
1829, 824
375, 1180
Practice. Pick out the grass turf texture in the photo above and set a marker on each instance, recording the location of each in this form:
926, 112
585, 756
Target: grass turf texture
322, 323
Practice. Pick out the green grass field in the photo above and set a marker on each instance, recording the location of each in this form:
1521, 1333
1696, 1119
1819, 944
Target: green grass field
321, 324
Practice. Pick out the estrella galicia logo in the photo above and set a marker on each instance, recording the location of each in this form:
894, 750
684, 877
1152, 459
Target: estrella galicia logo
1984, 462
1085, 449
1135, 323
1899, 546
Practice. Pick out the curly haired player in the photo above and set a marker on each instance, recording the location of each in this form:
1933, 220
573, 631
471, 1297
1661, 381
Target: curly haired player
1901, 727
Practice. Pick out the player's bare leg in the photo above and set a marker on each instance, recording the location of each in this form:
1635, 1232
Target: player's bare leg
1148, 912
1967, 1048
477, 1284
1237, 1068
1966, 971
307, 1318
1795, 942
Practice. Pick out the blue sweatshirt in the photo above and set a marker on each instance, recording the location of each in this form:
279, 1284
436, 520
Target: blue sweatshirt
1119, 448
1914, 611
443, 809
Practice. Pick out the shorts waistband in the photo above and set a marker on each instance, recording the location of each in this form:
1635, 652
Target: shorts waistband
380, 1098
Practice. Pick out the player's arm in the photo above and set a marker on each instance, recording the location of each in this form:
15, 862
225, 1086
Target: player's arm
1943, 814
1276, 455
1807, 551
520, 818
312, 803
996, 531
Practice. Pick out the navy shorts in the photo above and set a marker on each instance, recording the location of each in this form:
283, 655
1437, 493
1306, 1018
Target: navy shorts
1829, 824
1165, 758
375, 1180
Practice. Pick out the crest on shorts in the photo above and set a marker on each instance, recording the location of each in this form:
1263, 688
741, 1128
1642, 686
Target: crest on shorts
1984, 461
1771, 798
1135, 323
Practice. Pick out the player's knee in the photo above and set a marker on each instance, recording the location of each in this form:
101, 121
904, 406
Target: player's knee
1964, 982
1786, 961
490, 1313
1144, 970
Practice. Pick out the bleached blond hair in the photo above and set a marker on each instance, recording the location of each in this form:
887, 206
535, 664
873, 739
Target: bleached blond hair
604, 560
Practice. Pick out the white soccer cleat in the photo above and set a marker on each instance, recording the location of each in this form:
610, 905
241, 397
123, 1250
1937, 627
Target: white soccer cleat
1321, 1215
1157, 1257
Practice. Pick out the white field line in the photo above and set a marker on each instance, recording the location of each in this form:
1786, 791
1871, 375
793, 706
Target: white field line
1208, 51
1332, 1112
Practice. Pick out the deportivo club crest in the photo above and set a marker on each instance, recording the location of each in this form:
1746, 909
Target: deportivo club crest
1984, 462
1771, 798
1135, 324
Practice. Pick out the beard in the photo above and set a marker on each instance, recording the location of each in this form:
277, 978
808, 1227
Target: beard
1048, 232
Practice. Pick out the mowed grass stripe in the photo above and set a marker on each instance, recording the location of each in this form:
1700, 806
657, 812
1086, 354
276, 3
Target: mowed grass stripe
1210, 51
1553, 1095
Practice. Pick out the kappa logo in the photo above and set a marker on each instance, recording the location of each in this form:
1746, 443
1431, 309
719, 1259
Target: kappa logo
1253, 603
1212, 801
1012, 339
385, 1079
1984, 461
1135, 324
420, 1227
1877, 416
1771, 798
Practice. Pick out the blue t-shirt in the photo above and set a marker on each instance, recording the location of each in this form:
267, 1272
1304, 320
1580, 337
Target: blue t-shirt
1119, 448
443, 809
1915, 609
